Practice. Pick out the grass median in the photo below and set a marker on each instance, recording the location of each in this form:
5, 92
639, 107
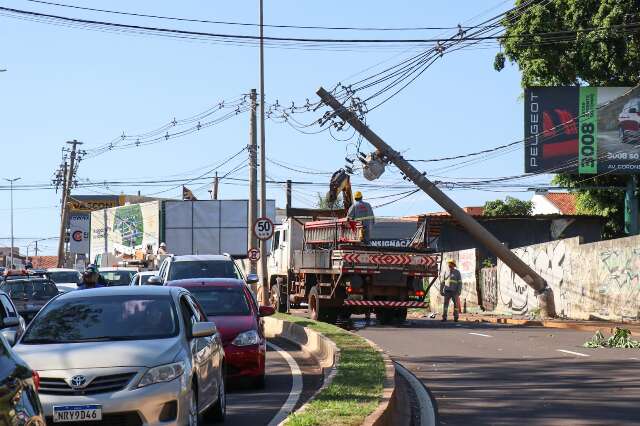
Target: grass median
356, 389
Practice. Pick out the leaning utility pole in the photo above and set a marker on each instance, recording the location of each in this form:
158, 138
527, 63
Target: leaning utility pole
68, 179
542, 290
264, 292
253, 178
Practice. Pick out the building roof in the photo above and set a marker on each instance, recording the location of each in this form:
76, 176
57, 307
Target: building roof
44, 262
564, 201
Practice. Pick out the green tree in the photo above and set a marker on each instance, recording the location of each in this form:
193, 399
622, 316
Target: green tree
324, 203
509, 207
603, 51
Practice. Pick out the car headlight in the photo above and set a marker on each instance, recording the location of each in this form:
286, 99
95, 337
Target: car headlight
162, 373
246, 338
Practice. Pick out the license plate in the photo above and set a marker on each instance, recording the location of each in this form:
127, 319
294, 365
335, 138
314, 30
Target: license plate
77, 413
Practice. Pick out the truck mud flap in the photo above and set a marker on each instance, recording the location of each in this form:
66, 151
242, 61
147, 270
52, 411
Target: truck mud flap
384, 304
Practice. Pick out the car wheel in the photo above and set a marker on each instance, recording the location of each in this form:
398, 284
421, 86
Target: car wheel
219, 411
194, 415
259, 382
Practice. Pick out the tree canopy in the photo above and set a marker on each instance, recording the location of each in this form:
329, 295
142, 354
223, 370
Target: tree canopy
509, 207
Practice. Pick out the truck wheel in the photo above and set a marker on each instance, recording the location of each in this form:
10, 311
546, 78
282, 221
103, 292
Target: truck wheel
275, 299
400, 315
384, 316
314, 312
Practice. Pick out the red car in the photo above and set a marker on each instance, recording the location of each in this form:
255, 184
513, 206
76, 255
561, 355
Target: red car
231, 306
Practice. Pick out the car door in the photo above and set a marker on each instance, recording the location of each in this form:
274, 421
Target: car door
201, 353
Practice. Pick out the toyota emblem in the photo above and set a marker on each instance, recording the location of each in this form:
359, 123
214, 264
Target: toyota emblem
78, 382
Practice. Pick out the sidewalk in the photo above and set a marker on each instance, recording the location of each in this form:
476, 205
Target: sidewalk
604, 326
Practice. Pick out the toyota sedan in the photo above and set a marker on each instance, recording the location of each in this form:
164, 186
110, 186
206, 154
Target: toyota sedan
126, 355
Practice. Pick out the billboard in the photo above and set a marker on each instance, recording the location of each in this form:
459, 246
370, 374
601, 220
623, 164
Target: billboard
125, 229
79, 233
583, 130
87, 203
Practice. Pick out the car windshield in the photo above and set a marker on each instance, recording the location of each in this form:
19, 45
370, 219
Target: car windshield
62, 277
222, 301
202, 269
104, 318
30, 289
116, 278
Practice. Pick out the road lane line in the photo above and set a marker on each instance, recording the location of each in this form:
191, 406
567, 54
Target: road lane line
480, 334
572, 353
296, 386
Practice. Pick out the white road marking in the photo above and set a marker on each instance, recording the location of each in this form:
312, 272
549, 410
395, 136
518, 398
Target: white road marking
480, 334
296, 386
572, 353
427, 410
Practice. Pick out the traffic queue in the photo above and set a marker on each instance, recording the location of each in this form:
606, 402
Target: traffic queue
121, 346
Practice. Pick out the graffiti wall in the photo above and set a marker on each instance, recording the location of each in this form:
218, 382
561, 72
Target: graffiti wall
599, 279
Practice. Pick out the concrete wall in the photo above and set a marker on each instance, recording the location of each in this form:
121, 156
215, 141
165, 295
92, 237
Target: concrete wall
467, 261
598, 279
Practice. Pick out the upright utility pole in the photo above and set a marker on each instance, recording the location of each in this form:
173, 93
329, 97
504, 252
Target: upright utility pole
66, 193
542, 290
253, 177
264, 293
12, 244
215, 187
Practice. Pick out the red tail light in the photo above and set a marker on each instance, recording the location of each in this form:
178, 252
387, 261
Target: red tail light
349, 290
420, 293
36, 380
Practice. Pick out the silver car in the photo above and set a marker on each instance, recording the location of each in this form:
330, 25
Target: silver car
138, 355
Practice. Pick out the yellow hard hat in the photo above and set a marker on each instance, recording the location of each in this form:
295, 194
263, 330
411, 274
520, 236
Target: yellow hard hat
358, 195
451, 262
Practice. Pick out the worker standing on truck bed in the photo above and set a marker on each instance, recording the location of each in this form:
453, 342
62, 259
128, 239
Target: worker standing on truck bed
361, 211
451, 289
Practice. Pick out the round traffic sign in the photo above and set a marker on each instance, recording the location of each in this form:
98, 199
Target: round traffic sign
263, 228
254, 255
77, 236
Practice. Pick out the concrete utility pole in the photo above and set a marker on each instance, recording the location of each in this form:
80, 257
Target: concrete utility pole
66, 193
264, 293
215, 187
12, 244
253, 178
542, 290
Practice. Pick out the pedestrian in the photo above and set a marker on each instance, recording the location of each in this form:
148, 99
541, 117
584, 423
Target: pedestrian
162, 249
451, 289
90, 279
362, 212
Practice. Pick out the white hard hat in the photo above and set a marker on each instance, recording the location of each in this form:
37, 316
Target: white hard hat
163, 245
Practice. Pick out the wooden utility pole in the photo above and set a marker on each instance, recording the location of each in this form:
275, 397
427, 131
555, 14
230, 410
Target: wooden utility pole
215, 187
253, 178
539, 285
67, 184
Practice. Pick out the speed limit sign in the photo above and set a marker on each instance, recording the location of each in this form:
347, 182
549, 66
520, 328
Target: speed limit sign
263, 228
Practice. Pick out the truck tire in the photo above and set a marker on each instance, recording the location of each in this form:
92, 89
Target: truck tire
384, 316
316, 312
400, 315
275, 298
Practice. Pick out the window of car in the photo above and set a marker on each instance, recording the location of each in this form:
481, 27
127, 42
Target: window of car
104, 318
30, 289
203, 269
61, 277
117, 278
222, 301
188, 316
7, 307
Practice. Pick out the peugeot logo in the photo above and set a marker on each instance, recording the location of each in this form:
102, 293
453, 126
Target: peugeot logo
78, 382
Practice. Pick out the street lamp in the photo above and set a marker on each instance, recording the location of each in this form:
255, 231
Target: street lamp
11, 182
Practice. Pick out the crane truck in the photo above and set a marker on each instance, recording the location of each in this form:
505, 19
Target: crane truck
318, 257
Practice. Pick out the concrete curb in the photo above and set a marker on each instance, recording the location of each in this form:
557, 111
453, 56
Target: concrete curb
568, 325
315, 344
428, 410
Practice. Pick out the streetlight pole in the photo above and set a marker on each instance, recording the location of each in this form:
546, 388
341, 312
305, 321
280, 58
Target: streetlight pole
11, 183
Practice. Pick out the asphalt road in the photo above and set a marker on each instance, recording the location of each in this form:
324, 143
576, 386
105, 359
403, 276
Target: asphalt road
249, 406
488, 374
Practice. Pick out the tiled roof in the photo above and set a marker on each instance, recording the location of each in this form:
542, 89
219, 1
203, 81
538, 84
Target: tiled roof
564, 201
44, 262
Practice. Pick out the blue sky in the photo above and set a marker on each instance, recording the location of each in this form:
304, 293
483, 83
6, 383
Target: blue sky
65, 83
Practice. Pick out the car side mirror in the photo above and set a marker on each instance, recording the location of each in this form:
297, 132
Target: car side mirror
265, 311
203, 329
10, 336
10, 322
252, 279
154, 280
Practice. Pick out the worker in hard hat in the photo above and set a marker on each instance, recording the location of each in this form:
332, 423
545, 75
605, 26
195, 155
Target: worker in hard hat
451, 289
162, 249
361, 211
